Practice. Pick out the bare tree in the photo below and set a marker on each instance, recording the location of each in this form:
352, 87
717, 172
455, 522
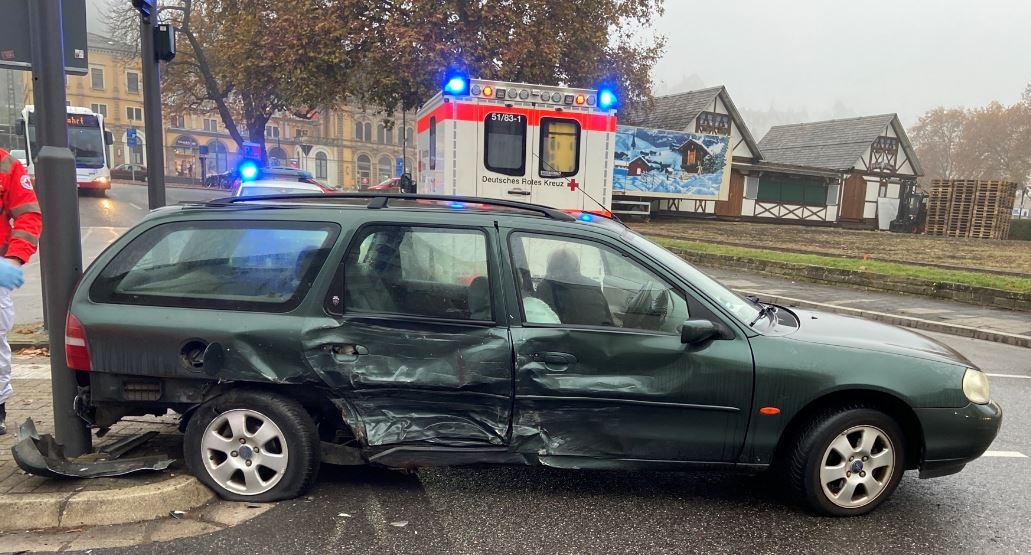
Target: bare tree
936, 138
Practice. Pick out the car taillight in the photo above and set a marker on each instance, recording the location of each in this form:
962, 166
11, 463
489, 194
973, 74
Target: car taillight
76, 350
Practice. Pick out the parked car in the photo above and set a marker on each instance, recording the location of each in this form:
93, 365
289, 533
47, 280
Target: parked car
276, 187
403, 184
283, 172
19, 155
403, 331
129, 172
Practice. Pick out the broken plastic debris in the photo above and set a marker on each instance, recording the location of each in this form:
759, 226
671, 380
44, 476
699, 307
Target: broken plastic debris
399, 523
255, 505
177, 514
345, 515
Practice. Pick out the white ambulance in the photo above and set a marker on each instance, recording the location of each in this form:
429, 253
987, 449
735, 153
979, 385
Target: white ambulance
546, 145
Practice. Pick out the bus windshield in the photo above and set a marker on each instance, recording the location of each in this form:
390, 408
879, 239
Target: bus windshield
85, 140
87, 145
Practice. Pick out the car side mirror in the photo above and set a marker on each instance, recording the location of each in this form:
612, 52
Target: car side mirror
109, 139
700, 331
20, 128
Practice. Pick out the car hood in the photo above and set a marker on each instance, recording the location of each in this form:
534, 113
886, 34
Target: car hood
846, 331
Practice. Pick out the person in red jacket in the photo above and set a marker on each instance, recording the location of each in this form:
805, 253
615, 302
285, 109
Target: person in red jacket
20, 225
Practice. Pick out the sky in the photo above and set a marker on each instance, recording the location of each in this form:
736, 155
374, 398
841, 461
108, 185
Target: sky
838, 58
861, 57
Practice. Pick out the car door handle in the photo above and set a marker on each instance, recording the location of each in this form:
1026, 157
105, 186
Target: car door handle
345, 352
519, 192
557, 362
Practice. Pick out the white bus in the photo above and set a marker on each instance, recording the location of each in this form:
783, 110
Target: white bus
88, 141
534, 143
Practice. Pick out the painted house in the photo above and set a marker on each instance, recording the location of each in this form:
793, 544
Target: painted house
846, 171
692, 153
638, 166
707, 112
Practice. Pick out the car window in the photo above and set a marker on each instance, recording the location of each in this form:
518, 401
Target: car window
221, 265
258, 190
577, 282
420, 271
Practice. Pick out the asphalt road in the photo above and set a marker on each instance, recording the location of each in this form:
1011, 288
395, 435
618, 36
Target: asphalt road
125, 204
539, 510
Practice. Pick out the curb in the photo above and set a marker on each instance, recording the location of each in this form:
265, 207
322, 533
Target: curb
34, 511
903, 321
28, 341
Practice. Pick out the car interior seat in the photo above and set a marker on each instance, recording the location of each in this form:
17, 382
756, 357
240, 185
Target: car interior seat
575, 298
479, 299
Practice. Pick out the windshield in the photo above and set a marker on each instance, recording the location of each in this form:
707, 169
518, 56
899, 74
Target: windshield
87, 145
737, 305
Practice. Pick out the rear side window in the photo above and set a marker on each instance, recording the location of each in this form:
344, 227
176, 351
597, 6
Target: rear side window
419, 271
229, 265
504, 149
560, 147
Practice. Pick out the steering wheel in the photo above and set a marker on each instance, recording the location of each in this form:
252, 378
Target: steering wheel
648, 311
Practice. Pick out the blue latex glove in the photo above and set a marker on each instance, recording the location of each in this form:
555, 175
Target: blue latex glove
11, 276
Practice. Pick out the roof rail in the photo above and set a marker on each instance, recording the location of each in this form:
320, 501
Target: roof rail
381, 200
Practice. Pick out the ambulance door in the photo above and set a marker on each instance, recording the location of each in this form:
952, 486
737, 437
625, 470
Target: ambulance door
558, 161
504, 149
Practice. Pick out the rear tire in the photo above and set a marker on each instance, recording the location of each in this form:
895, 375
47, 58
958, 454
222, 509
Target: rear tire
253, 446
847, 461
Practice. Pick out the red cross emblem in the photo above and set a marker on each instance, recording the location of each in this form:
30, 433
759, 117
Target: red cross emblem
572, 184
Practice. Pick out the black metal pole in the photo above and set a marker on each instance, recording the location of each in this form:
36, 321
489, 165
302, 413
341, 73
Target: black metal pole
152, 113
61, 248
37, 43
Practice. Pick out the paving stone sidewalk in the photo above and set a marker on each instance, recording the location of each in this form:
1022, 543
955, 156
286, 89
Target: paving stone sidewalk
33, 398
912, 306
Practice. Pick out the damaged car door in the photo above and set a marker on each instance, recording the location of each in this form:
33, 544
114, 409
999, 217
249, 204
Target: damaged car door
414, 349
603, 369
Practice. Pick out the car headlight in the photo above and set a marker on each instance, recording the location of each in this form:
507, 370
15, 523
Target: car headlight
102, 178
975, 386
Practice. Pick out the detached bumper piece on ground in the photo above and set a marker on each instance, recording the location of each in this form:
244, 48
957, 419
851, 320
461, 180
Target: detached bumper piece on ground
41, 455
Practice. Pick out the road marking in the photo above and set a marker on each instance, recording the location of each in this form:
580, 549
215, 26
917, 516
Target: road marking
1009, 454
1008, 376
136, 206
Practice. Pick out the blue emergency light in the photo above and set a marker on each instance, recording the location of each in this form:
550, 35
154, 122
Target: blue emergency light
248, 170
456, 85
606, 99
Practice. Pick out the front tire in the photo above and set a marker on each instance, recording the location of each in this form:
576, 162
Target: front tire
251, 446
847, 461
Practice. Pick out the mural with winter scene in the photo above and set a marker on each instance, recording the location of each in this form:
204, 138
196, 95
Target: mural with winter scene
656, 162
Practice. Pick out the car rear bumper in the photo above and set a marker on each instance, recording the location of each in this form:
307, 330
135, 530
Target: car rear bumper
954, 437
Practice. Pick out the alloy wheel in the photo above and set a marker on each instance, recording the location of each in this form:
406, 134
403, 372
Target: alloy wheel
244, 451
857, 466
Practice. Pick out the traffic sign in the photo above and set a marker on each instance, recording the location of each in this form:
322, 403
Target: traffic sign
399, 167
306, 149
15, 52
131, 138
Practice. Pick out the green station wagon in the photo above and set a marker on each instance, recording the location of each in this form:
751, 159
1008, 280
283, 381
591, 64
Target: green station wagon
405, 331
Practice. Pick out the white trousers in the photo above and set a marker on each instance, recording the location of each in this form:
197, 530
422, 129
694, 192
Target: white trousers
6, 323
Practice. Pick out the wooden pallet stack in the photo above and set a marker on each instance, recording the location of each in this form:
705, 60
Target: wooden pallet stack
970, 208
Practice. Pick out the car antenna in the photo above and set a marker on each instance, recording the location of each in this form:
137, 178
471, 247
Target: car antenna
581, 189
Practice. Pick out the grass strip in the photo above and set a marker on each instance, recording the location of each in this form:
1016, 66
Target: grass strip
894, 269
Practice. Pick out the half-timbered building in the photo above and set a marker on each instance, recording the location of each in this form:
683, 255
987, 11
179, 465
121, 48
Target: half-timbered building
839, 171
